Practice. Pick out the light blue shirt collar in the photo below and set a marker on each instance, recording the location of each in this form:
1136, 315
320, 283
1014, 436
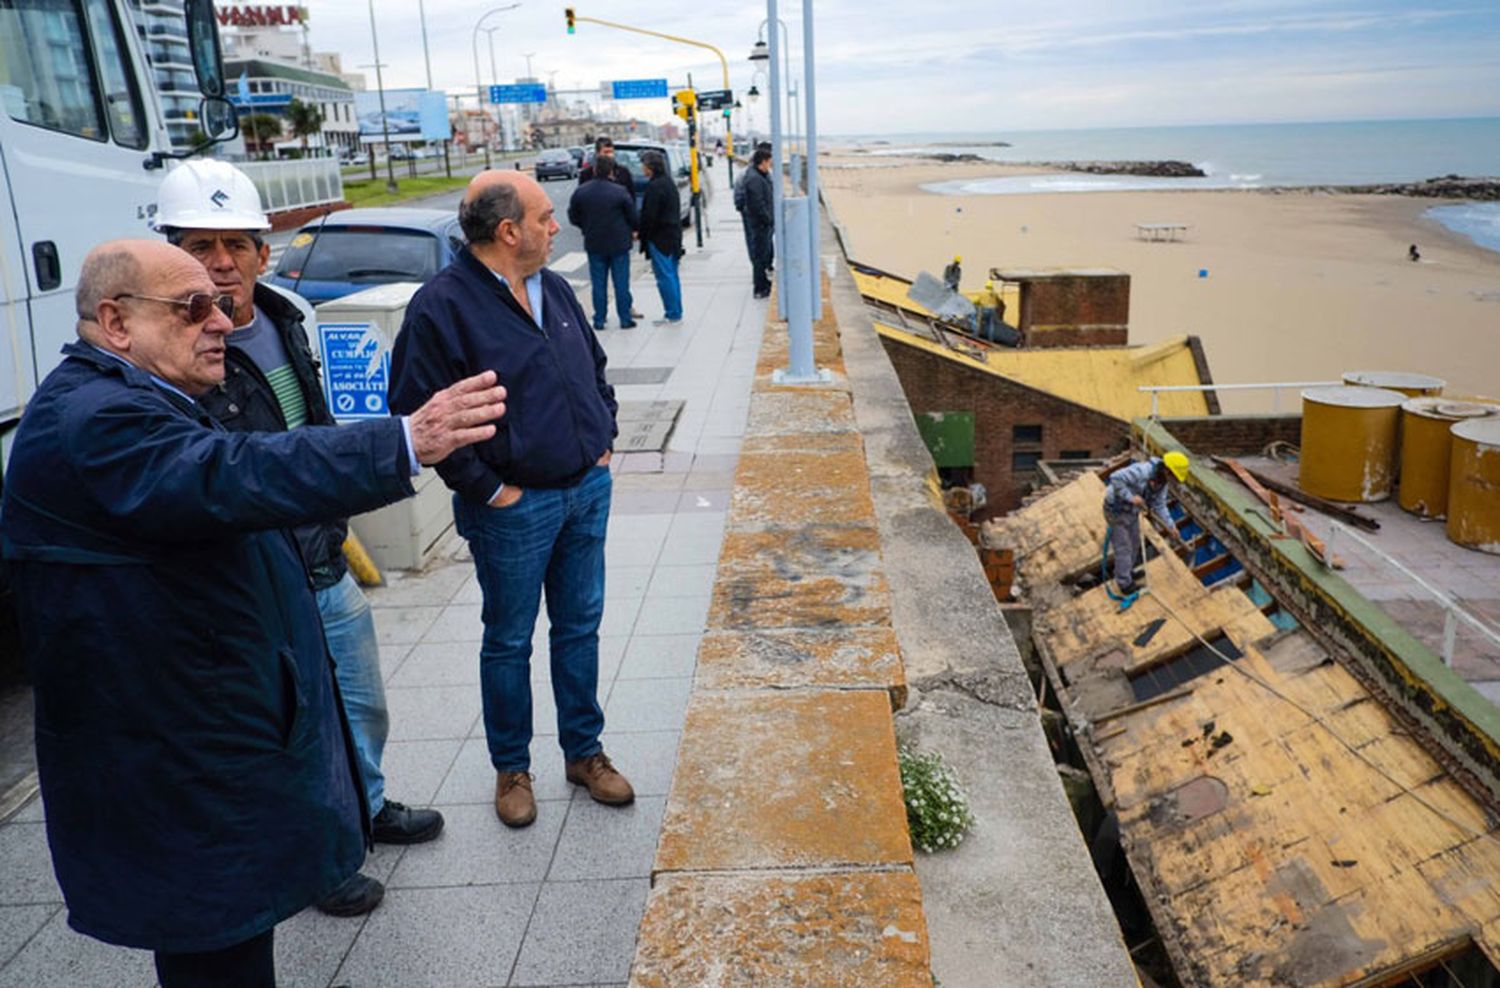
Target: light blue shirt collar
158, 381
533, 293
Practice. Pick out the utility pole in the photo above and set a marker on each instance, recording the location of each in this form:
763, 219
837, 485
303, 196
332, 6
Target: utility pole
385, 122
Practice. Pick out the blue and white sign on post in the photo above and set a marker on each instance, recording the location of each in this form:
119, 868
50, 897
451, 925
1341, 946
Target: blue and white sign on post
638, 89
521, 92
356, 370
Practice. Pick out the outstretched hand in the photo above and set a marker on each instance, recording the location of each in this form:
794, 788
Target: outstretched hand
456, 416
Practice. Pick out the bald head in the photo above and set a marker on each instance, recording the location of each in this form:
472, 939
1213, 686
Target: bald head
493, 196
507, 218
119, 267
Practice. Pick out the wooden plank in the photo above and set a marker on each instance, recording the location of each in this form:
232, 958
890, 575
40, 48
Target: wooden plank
1340, 511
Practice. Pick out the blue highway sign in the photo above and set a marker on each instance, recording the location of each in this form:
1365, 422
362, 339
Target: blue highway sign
356, 370
523, 92
639, 88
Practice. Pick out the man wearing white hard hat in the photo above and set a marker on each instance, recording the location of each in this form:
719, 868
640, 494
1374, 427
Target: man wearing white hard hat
212, 210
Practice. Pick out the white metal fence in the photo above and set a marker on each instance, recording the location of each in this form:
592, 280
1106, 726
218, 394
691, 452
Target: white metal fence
287, 185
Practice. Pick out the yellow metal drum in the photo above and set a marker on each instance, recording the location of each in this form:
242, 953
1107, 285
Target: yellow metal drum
1411, 385
1349, 442
1474, 485
1426, 443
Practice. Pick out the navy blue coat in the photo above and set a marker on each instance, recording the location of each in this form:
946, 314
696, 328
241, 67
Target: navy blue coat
195, 765
606, 215
559, 409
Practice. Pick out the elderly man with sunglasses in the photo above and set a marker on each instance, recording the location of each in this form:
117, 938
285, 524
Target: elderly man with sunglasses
212, 210
199, 780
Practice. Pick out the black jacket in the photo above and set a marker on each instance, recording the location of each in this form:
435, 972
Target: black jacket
194, 759
559, 412
759, 211
621, 176
246, 403
661, 216
605, 213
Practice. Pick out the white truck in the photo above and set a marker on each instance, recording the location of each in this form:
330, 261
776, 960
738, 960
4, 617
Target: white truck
82, 144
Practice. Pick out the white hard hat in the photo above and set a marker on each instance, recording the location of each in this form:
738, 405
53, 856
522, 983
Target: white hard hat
204, 194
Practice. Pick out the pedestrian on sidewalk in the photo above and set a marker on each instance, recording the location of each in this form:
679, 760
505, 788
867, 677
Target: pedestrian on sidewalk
533, 502
606, 214
212, 210
661, 234
196, 767
760, 220
739, 206
604, 148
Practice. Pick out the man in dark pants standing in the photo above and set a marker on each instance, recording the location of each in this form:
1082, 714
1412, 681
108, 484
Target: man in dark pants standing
198, 776
212, 210
533, 502
661, 234
605, 213
760, 220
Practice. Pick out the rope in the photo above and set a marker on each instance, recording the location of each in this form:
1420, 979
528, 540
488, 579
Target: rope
1318, 719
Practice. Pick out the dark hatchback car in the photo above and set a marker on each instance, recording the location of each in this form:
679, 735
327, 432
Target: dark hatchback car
358, 248
555, 163
628, 153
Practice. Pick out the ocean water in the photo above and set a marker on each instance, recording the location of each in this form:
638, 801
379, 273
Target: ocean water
1237, 156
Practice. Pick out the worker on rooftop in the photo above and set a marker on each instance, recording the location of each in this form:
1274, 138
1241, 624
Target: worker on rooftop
989, 310
954, 273
1133, 489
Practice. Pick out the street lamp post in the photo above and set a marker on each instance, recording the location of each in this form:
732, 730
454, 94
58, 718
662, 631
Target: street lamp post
479, 86
810, 152
385, 122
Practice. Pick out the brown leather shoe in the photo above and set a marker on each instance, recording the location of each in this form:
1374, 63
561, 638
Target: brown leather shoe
603, 781
514, 803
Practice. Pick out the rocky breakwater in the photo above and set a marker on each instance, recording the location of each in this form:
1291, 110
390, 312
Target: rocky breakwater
1444, 187
1155, 169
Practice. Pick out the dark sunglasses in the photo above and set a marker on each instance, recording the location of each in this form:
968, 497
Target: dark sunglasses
199, 304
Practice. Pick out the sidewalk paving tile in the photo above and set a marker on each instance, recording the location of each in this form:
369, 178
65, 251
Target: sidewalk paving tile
59, 956
647, 705
673, 615
582, 933
456, 623
661, 656
471, 779
18, 924
646, 758
310, 947
453, 938
607, 841
402, 625
475, 848
415, 769
432, 587
421, 713
681, 581
439, 664
26, 864
626, 580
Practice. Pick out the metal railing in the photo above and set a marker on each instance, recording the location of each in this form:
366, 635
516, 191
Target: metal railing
1274, 387
296, 184
1454, 612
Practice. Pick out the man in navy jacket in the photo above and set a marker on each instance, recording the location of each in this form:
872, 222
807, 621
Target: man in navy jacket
533, 501
198, 774
606, 214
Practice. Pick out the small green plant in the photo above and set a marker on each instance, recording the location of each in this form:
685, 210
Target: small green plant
937, 809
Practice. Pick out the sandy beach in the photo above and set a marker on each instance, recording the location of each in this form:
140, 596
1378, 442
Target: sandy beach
1300, 286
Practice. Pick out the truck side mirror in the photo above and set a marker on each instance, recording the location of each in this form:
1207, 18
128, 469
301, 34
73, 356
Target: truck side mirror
203, 43
218, 119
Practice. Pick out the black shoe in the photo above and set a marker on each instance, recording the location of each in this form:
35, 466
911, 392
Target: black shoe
627, 325
357, 896
764, 294
398, 824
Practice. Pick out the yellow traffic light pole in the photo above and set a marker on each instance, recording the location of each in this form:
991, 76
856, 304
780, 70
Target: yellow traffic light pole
573, 16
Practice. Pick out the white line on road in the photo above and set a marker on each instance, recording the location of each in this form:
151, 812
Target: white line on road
571, 261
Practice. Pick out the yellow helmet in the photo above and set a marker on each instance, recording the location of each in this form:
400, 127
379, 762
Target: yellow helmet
989, 284
958, 259
1177, 463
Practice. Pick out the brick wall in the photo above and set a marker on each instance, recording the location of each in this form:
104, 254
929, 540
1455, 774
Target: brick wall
1234, 435
936, 384
1082, 310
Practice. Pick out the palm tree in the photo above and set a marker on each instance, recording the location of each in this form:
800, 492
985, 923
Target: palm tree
306, 120
262, 128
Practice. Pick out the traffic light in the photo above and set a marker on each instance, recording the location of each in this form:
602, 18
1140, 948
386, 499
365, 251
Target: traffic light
572, 18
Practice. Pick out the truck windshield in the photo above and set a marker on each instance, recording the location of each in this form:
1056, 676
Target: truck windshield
374, 255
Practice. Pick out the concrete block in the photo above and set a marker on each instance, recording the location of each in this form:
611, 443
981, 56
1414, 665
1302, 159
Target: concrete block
791, 490
810, 578
781, 930
797, 413
868, 658
778, 780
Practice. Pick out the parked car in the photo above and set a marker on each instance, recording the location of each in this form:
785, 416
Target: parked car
628, 153
555, 163
578, 154
358, 248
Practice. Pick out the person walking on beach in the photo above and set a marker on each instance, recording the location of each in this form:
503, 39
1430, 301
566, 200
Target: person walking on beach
953, 273
760, 220
533, 502
661, 234
1412, 254
606, 214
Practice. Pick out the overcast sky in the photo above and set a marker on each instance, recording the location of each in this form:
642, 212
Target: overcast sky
893, 66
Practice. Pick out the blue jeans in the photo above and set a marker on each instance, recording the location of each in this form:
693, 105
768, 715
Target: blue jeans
350, 632
602, 267
550, 540
667, 282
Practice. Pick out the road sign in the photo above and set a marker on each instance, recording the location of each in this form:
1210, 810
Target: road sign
524, 92
638, 89
356, 370
715, 99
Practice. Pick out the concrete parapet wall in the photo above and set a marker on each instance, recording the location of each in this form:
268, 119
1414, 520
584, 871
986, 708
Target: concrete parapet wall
1460, 727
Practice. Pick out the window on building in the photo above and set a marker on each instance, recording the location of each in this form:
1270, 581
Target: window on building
1023, 460
1075, 454
45, 75
1197, 660
1029, 434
